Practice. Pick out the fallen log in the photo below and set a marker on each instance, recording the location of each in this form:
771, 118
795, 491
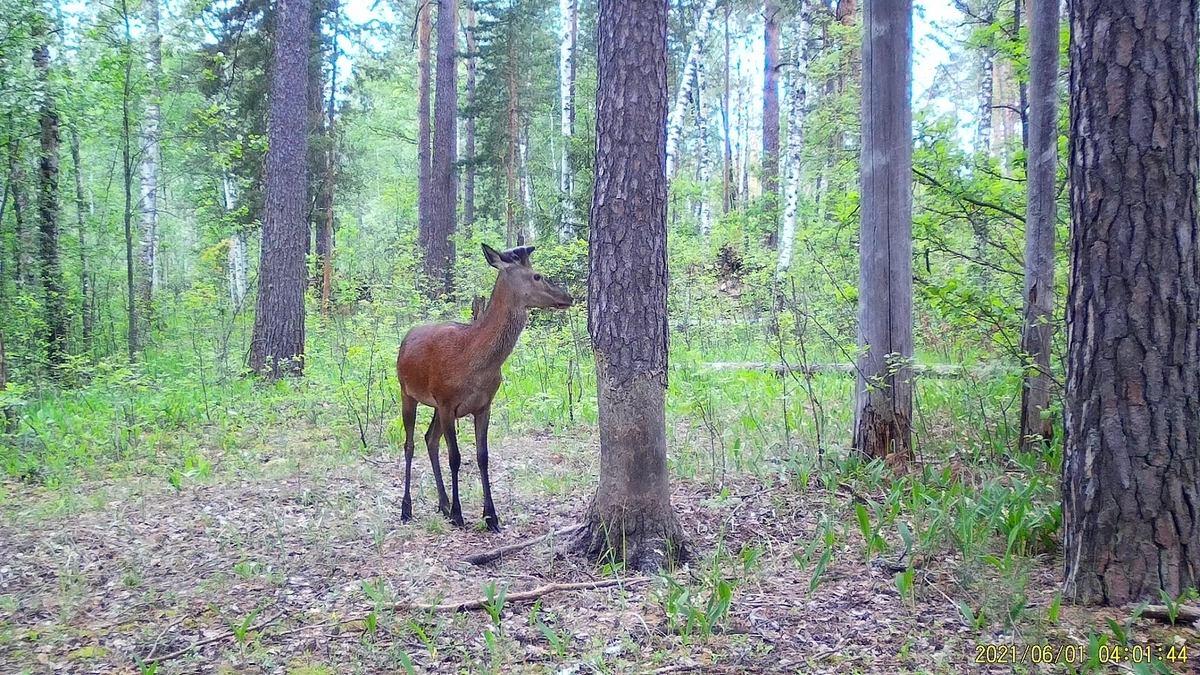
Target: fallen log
515, 598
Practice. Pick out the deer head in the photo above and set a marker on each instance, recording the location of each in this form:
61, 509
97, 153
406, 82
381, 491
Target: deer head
530, 288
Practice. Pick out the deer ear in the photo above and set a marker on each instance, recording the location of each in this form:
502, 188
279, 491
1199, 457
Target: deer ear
494, 257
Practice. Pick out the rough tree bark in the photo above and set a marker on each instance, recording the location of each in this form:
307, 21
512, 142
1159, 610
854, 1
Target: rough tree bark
1131, 465
1041, 218
277, 346
148, 232
683, 96
568, 36
797, 83
883, 410
770, 114
439, 254
424, 134
630, 518
472, 59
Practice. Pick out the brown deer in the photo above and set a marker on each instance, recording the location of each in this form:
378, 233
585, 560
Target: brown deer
454, 368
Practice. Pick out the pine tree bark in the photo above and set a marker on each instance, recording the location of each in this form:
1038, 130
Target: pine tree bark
630, 518
469, 149
148, 232
568, 35
770, 115
883, 411
1041, 223
443, 203
1131, 465
424, 133
277, 346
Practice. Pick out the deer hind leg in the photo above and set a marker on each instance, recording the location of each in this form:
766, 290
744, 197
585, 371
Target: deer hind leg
447, 420
432, 438
409, 415
481, 457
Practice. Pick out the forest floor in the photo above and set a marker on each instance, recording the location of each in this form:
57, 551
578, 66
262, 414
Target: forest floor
297, 563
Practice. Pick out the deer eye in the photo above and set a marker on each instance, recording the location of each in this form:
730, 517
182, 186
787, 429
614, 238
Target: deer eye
537, 277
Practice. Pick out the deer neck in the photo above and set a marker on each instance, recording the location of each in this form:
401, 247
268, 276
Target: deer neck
500, 326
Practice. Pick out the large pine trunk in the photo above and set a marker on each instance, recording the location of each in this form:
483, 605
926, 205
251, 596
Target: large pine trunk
439, 254
568, 34
770, 115
1041, 219
148, 233
424, 133
883, 410
277, 347
50, 269
630, 519
1131, 465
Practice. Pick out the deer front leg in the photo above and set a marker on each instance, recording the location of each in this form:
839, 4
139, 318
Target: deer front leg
455, 461
481, 456
409, 415
431, 441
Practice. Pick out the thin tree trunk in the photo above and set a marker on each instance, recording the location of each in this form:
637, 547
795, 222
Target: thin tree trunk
439, 257
512, 232
133, 341
1131, 457
630, 519
239, 262
770, 114
26, 239
727, 172
1041, 222
424, 133
983, 124
277, 346
530, 233
325, 238
472, 58
1022, 85
797, 83
568, 33
683, 96
148, 247
702, 157
883, 411
85, 289
7, 415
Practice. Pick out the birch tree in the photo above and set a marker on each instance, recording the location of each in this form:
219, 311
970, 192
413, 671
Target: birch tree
796, 86
149, 235
683, 96
568, 37
704, 168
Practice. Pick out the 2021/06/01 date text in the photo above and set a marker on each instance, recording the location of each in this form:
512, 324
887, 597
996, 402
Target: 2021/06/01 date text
1080, 654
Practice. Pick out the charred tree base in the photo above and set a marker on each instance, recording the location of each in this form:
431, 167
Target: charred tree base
884, 435
642, 534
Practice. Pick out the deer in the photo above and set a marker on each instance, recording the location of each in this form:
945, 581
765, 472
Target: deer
454, 368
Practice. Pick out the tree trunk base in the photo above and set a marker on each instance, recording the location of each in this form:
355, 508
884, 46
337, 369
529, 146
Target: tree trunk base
644, 536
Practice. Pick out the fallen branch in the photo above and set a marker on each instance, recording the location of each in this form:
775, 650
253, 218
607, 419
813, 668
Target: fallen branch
498, 553
943, 370
1184, 614
468, 605
209, 640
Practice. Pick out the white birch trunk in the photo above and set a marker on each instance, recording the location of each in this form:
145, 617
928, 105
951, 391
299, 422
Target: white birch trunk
568, 32
705, 211
796, 84
684, 95
526, 188
239, 261
150, 155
